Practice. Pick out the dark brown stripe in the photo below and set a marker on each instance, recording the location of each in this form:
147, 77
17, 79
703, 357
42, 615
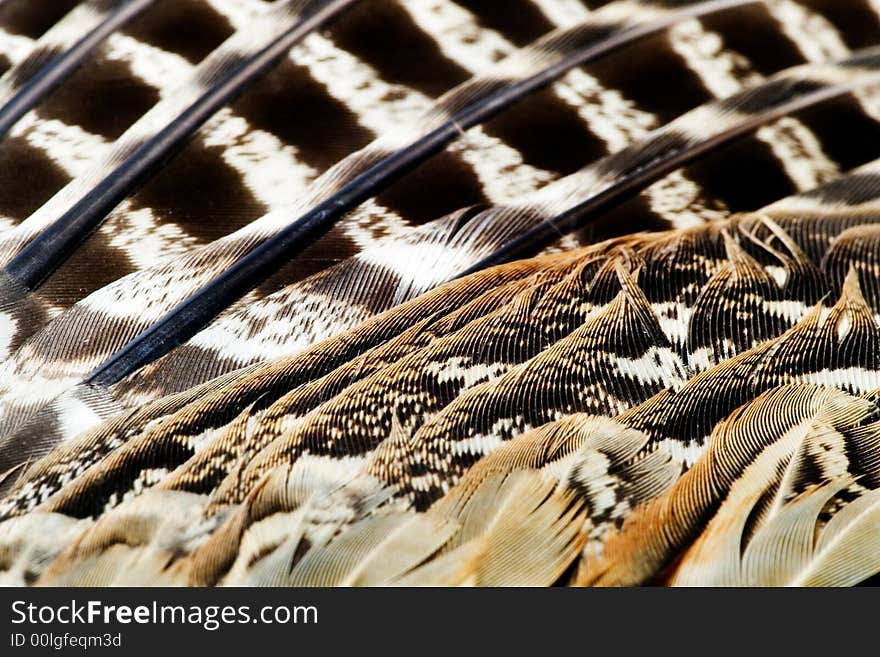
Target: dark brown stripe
857, 22
201, 193
382, 34
297, 109
754, 33
745, 175
847, 135
32, 18
441, 185
28, 178
103, 97
190, 28
520, 21
549, 133
654, 76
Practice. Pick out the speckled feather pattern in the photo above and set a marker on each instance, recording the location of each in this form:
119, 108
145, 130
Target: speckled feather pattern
675, 381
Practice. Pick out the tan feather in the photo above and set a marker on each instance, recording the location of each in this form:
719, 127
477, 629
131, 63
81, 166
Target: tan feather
522, 531
746, 462
135, 543
795, 548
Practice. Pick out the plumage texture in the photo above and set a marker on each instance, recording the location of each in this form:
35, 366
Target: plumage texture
621, 329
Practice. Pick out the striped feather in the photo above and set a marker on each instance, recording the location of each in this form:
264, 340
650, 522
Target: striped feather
595, 302
590, 189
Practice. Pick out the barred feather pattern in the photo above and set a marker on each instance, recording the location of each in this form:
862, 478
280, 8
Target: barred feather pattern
100, 320
625, 331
